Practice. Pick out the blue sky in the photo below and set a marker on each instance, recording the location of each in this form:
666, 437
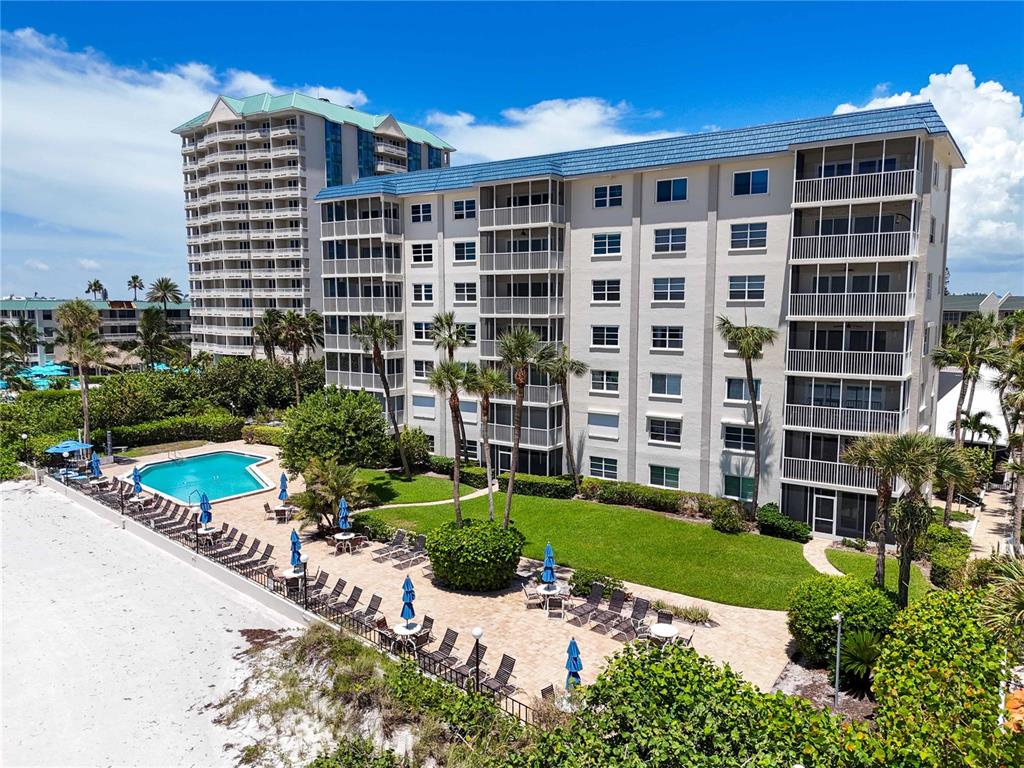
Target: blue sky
599, 73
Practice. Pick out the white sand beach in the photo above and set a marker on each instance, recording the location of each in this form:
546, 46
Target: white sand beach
112, 649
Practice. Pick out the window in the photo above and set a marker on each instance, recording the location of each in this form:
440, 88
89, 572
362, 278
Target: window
750, 183
602, 467
928, 287
736, 487
607, 244
465, 292
667, 337
423, 406
604, 335
606, 290
739, 438
664, 477
931, 231
935, 175
421, 369
421, 331
465, 251
430, 443
603, 425
471, 449
464, 209
608, 197
422, 292
749, 235
736, 389
671, 190
669, 288
667, 384
670, 240
746, 287
666, 431
604, 381
422, 253
470, 329
420, 212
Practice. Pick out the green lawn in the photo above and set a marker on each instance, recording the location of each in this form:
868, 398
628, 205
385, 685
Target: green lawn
863, 565
149, 450
643, 547
393, 488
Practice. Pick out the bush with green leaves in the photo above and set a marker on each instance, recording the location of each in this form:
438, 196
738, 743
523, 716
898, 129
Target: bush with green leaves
476, 477
858, 544
261, 434
356, 753
657, 499
481, 556
771, 522
582, 578
215, 427
344, 425
946, 566
10, 469
939, 536
417, 448
814, 602
441, 465
373, 527
858, 655
728, 518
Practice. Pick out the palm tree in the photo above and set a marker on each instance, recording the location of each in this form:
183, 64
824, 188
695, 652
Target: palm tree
486, 383
749, 342
95, 287
373, 333
135, 285
447, 379
518, 351
448, 336
327, 482
876, 453
267, 331
21, 338
78, 331
976, 424
559, 367
164, 291
152, 342
1002, 607
298, 333
12, 358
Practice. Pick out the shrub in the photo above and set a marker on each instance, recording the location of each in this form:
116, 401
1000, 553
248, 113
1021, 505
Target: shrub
771, 522
560, 487
947, 563
417, 450
859, 544
215, 427
481, 556
858, 656
657, 499
474, 477
939, 536
346, 426
441, 465
813, 602
693, 613
10, 469
263, 435
372, 527
582, 578
727, 518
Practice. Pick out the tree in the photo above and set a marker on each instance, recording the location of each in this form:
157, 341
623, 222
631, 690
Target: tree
976, 424
268, 332
135, 285
749, 342
1002, 606
24, 336
375, 333
448, 336
297, 334
328, 481
164, 291
151, 338
518, 350
95, 287
560, 368
78, 331
447, 379
1015, 466
877, 453
487, 383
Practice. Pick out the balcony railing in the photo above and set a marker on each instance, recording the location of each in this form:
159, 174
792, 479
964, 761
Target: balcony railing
525, 215
362, 304
874, 245
529, 437
359, 380
536, 394
343, 342
543, 306
891, 304
856, 187
387, 165
360, 227
530, 261
848, 363
370, 266
387, 148
836, 419
828, 473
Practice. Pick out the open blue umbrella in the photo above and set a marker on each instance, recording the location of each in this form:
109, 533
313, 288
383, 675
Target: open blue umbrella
408, 595
343, 522
69, 446
574, 664
296, 550
204, 505
94, 465
548, 574
284, 487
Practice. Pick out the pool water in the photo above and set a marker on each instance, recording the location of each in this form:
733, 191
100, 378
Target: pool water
218, 475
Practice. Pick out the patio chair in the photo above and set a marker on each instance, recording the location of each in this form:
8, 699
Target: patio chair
261, 561
408, 557
547, 693
425, 635
469, 668
533, 599
384, 553
231, 551
687, 641
665, 617
225, 542
242, 556
333, 597
556, 607
580, 615
370, 614
602, 618
627, 627
500, 682
443, 654
318, 584
386, 636
268, 513
349, 605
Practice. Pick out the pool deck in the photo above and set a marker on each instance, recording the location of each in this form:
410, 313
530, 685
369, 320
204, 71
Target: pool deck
752, 641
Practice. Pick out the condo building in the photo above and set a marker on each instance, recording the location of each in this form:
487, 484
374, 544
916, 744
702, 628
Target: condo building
251, 167
831, 230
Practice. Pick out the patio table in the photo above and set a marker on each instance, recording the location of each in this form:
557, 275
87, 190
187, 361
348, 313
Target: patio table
664, 632
547, 591
341, 541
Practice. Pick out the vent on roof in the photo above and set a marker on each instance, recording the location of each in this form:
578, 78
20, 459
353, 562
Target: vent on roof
321, 98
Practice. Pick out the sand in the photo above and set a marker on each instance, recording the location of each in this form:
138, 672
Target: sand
112, 649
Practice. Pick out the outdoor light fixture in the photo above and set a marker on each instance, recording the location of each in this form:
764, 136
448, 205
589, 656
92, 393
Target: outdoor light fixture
838, 619
477, 634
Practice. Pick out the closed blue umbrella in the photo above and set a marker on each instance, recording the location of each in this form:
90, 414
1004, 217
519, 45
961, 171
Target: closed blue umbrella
296, 550
94, 465
284, 487
408, 595
137, 480
343, 521
574, 664
548, 574
204, 505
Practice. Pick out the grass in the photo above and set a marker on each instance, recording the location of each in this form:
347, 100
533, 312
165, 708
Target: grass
863, 566
954, 514
393, 488
643, 547
148, 450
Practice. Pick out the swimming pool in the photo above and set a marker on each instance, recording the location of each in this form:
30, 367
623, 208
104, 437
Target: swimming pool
219, 475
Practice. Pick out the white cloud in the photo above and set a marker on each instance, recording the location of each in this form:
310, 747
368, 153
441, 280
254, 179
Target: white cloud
242, 83
88, 264
547, 126
987, 209
37, 265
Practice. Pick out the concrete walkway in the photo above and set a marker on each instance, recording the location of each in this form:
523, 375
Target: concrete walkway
814, 553
474, 495
994, 523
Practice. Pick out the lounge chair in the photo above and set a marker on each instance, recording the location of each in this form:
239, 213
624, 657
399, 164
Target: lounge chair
241, 557
349, 605
500, 682
580, 615
385, 553
223, 544
443, 654
370, 614
603, 618
469, 668
333, 597
415, 554
627, 628
223, 555
261, 561
314, 589
547, 693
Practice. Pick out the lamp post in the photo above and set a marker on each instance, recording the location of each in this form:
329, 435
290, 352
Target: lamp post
305, 582
838, 619
477, 634
31, 459
67, 458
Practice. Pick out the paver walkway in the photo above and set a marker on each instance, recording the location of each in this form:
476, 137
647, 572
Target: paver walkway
474, 495
993, 524
814, 553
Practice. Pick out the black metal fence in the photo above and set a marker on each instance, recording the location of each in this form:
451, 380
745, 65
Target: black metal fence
258, 568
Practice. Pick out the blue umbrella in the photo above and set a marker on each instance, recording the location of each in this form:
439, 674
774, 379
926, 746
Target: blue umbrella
138, 487
296, 550
204, 506
574, 664
408, 595
95, 465
343, 522
284, 487
69, 446
548, 574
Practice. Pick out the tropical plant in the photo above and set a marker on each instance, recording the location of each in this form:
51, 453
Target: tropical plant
78, 325
447, 380
518, 350
344, 425
1002, 605
448, 336
475, 555
487, 383
268, 332
152, 341
375, 334
859, 653
327, 482
22, 336
135, 285
298, 334
976, 424
749, 342
560, 368
876, 453
164, 291
95, 287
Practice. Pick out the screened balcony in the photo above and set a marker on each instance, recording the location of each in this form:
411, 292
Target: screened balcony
857, 171
548, 331
849, 232
537, 249
849, 349
816, 459
360, 217
522, 203
824, 290
845, 406
521, 295
362, 256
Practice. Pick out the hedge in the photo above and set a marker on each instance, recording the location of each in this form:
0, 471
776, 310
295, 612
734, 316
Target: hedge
948, 549
947, 562
657, 499
263, 435
215, 427
442, 465
558, 487
771, 522
481, 556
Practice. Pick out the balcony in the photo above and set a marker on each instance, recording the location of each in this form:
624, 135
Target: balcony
543, 306
534, 394
360, 380
360, 228
362, 304
387, 148
370, 266
280, 293
875, 245
848, 363
867, 305
521, 216
828, 473
831, 419
387, 165
529, 261
284, 130
861, 186
530, 437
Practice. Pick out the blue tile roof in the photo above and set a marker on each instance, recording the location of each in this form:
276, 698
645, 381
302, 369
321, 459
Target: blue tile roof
759, 140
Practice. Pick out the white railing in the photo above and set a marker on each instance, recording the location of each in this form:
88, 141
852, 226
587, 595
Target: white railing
370, 266
872, 245
287, 293
516, 216
360, 227
529, 261
849, 363
855, 187
387, 148
828, 473
529, 436
535, 394
390, 166
891, 304
836, 419
362, 304
359, 380
521, 305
